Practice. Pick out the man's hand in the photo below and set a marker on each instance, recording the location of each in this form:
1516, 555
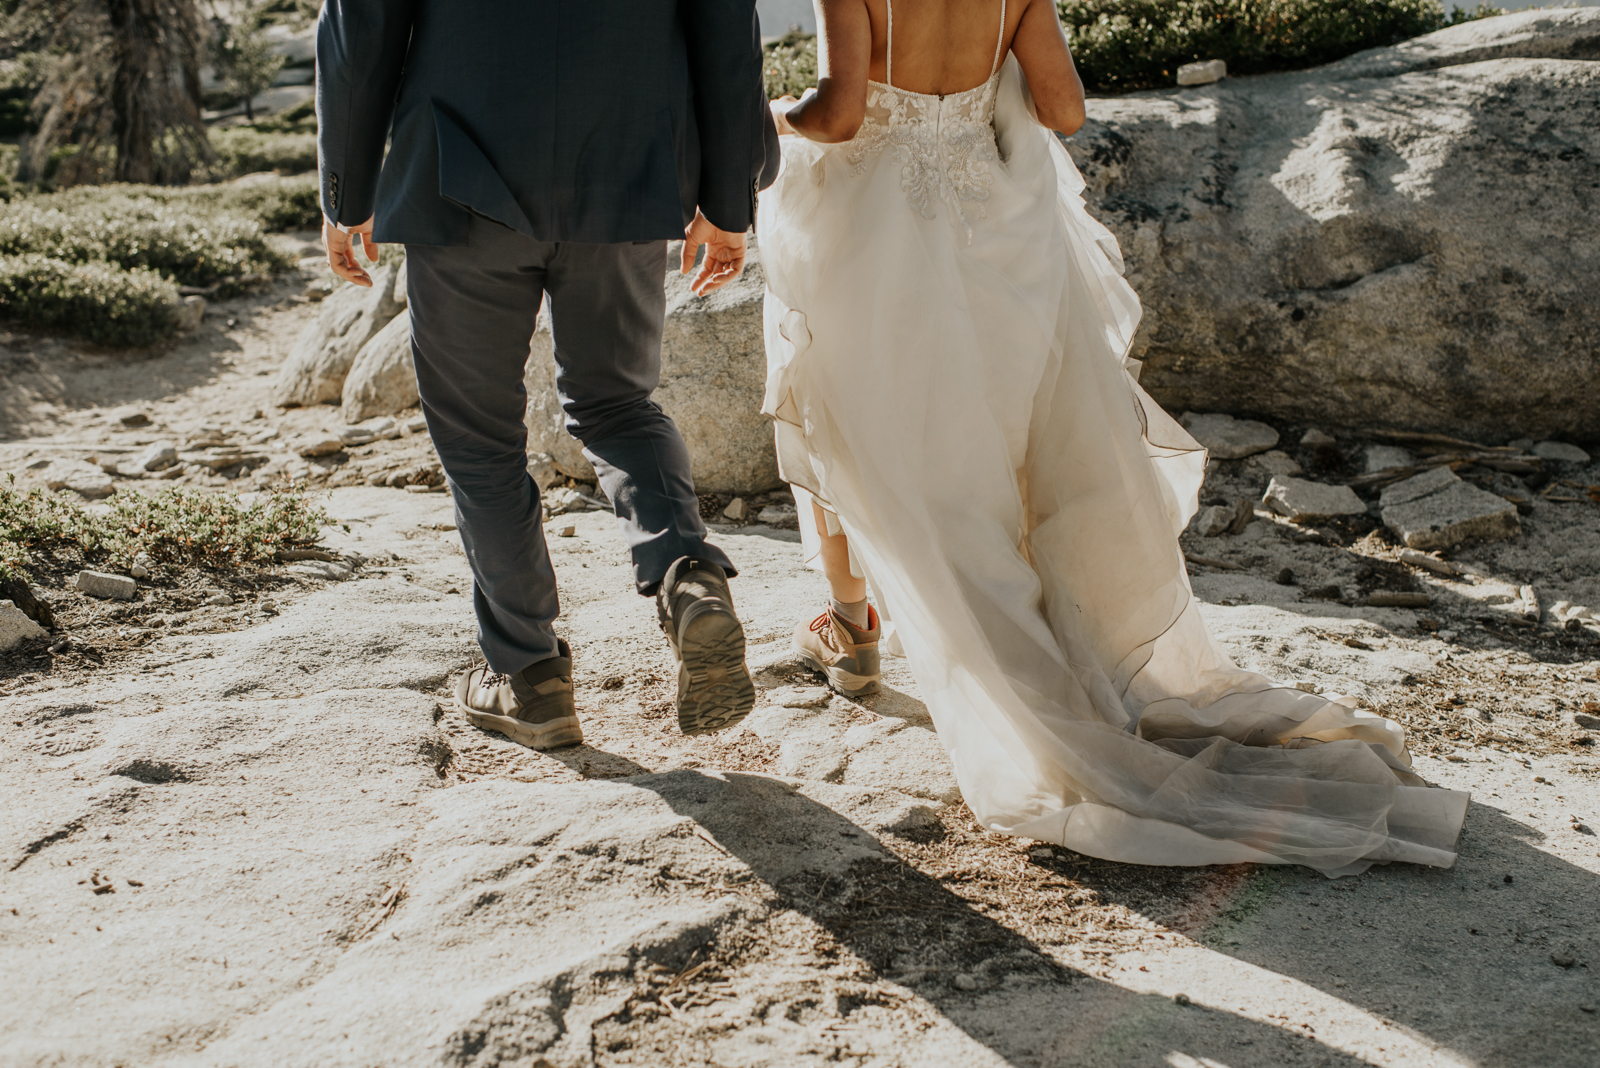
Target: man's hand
725, 254
342, 252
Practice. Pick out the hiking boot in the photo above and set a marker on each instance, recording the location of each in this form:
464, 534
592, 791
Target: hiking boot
696, 611
846, 654
534, 707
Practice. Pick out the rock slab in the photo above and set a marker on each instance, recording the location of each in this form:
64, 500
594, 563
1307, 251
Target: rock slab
322, 356
1227, 438
1304, 501
1436, 510
108, 587
79, 476
383, 379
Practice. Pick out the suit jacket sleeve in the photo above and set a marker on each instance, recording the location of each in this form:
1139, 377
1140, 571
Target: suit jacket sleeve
361, 51
738, 142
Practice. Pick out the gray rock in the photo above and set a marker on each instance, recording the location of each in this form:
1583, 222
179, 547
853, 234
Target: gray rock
383, 380
1211, 70
79, 476
326, 570
219, 600
1277, 463
132, 417
1436, 510
713, 374
782, 516
1384, 457
155, 456
1311, 502
316, 368
1227, 438
142, 566
108, 587
737, 510
16, 627
190, 314
1588, 721
1214, 520
1317, 439
318, 444
1343, 245
1561, 452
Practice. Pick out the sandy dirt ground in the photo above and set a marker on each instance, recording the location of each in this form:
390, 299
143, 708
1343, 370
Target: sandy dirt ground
255, 833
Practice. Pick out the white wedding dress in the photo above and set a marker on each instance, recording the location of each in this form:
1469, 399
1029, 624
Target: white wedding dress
947, 333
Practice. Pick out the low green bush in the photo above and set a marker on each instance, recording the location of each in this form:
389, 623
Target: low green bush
182, 241
180, 527
1123, 45
248, 149
96, 300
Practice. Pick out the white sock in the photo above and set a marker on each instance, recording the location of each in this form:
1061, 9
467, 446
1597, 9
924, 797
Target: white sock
854, 614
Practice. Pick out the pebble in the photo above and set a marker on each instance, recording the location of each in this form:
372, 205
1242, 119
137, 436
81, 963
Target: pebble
269, 606
142, 567
221, 600
1211, 70
110, 587
131, 417
1303, 501
1585, 720
1397, 599
567, 532
1181, 999
155, 456
1387, 457
965, 982
782, 516
16, 627
737, 510
1215, 520
1560, 452
804, 697
1284, 577
1317, 439
1563, 958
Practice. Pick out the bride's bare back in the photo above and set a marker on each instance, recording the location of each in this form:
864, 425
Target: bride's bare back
940, 47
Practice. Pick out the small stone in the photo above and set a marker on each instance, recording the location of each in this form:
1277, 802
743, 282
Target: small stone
156, 456
1181, 999
1227, 438
782, 516
612, 682
1204, 73
1563, 958
16, 627
737, 510
111, 587
268, 606
1215, 520
1277, 463
131, 417
1436, 510
356, 435
567, 532
965, 982
1041, 853
327, 570
1285, 577
220, 600
1560, 452
142, 566
804, 697
1387, 458
1316, 439
417, 424
1509, 879
1586, 720
1398, 599
321, 444
190, 314
1303, 501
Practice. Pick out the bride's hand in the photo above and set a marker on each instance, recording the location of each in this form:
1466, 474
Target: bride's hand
780, 113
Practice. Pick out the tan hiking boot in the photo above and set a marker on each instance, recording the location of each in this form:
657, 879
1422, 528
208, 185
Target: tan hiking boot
534, 708
696, 612
847, 655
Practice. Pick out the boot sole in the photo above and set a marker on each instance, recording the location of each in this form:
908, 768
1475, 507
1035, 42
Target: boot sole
841, 681
714, 687
552, 735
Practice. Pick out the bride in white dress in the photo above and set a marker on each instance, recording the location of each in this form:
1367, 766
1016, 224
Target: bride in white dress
947, 339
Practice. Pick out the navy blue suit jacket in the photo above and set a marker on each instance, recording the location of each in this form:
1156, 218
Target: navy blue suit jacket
567, 120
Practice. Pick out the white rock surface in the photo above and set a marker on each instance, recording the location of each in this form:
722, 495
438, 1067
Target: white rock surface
713, 373
383, 380
106, 586
1227, 438
16, 628
1311, 502
1437, 510
1367, 243
322, 356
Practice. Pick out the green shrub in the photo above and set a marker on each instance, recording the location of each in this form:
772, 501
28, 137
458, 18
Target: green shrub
248, 149
287, 204
182, 527
106, 304
1122, 45
180, 240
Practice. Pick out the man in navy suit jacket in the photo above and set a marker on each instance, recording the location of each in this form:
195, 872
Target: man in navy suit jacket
549, 149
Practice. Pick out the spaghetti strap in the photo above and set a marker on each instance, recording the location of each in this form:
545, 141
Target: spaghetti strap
999, 45
888, 51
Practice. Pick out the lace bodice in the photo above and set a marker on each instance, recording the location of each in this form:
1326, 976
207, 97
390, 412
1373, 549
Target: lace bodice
945, 145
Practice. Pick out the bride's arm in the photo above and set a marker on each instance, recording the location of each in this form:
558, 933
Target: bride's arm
834, 112
1041, 47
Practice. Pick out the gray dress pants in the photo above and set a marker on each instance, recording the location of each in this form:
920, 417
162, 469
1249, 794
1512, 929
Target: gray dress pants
473, 311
